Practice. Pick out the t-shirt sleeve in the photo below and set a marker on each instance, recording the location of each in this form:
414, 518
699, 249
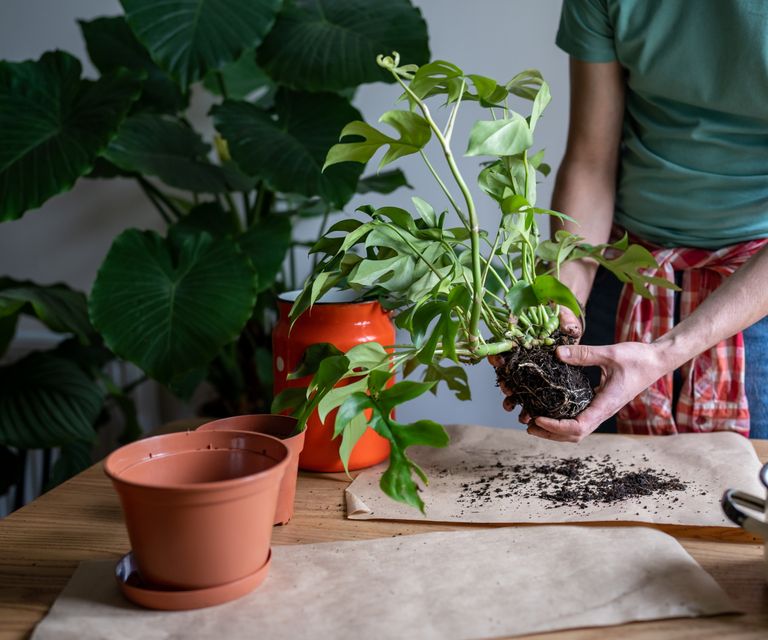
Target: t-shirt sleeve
586, 32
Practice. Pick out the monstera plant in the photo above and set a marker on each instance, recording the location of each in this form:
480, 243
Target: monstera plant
459, 292
197, 302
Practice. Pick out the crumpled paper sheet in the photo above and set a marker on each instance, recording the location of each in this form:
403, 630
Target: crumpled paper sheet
447, 586
709, 463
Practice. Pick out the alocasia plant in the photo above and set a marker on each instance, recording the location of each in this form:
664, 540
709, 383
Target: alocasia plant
459, 292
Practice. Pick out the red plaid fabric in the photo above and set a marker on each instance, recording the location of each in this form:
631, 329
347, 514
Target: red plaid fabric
713, 396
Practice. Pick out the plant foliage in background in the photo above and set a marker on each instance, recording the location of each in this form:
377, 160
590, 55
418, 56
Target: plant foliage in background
197, 302
461, 293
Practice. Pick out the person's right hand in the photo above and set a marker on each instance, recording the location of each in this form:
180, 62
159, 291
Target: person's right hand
627, 369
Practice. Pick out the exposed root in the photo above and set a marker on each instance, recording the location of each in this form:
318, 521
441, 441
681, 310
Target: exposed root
544, 385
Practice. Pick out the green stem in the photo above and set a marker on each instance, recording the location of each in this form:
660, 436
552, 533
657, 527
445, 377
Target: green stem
323, 225
490, 258
496, 298
159, 195
166, 218
493, 348
452, 117
264, 198
474, 226
417, 252
447, 193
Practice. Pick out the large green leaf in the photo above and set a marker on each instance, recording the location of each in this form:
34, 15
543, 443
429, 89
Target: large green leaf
46, 401
57, 306
160, 146
169, 309
413, 130
327, 45
549, 289
266, 244
503, 137
288, 152
189, 37
53, 125
112, 45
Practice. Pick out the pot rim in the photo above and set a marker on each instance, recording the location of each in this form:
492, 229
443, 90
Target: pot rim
345, 297
198, 487
213, 425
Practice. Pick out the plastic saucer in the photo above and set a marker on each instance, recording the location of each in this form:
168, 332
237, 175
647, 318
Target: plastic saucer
170, 599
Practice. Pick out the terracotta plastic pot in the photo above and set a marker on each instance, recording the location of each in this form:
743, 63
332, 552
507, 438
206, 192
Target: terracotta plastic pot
199, 505
283, 428
344, 324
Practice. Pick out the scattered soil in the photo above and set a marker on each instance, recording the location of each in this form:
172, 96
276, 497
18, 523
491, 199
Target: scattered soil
572, 482
542, 384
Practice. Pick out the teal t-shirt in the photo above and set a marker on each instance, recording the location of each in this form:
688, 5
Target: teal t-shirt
694, 158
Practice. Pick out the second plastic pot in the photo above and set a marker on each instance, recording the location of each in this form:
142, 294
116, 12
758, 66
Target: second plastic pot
283, 428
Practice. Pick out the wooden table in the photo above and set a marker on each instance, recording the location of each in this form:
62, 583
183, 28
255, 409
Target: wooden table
42, 544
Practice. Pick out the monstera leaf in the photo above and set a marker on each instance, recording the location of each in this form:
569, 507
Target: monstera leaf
288, 152
189, 37
328, 45
46, 401
111, 45
161, 146
170, 306
53, 125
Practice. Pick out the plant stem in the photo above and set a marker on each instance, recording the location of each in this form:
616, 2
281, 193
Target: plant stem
323, 225
447, 193
155, 202
493, 348
474, 226
490, 258
262, 206
148, 186
452, 117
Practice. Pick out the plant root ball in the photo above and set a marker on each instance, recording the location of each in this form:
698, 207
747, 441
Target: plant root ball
542, 384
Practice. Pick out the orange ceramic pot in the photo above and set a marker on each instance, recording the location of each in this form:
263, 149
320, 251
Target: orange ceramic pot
283, 428
344, 324
199, 505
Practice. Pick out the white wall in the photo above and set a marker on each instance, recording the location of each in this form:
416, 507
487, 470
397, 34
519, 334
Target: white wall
67, 239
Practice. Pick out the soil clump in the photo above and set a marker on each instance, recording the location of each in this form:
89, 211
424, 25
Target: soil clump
542, 384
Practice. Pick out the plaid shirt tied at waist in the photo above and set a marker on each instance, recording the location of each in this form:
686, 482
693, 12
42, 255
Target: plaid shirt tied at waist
713, 396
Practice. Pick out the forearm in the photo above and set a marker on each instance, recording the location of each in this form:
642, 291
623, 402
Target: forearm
738, 303
586, 182
585, 191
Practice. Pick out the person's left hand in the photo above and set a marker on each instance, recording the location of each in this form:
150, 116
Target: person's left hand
627, 369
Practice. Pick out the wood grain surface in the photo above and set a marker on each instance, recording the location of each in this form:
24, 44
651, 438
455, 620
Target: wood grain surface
42, 544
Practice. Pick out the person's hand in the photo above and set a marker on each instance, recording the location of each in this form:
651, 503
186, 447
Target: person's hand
627, 369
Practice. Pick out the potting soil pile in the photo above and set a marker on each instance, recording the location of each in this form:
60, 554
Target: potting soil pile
507, 476
447, 586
